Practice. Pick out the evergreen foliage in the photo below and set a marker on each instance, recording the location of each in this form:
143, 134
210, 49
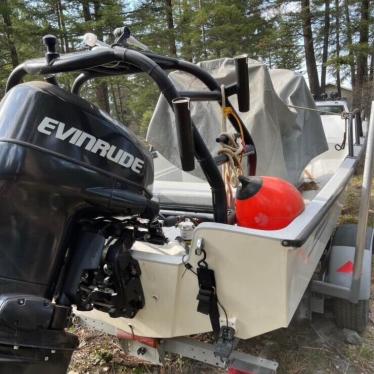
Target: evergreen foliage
268, 30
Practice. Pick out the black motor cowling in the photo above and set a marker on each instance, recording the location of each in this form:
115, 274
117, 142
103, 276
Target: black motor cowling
66, 168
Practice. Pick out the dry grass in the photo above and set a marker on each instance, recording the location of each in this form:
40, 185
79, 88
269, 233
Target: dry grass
315, 347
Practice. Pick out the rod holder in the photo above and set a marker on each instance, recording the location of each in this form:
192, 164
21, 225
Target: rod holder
241, 67
50, 42
183, 121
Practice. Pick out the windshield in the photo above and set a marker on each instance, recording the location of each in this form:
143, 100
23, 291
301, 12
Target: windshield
330, 108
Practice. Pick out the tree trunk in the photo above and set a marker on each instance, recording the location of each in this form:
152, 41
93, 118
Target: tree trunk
102, 92
187, 49
61, 21
122, 110
56, 10
116, 109
98, 29
371, 76
86, 10
349, 40
5, 12
170, 24
309, 48
203, 33
325, 51
338, 80
362, 57
102, 96
101, 88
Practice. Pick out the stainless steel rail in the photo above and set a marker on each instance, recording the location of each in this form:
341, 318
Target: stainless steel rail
364, 211
297, 242
352, 293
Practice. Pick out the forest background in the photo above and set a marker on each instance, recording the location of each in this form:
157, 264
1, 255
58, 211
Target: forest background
328, 41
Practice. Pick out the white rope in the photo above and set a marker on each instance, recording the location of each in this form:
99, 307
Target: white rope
317, 110
232, 150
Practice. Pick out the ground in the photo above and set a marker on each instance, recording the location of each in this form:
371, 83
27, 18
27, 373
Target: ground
307, 347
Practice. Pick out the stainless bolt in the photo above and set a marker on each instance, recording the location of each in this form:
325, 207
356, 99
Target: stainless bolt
199, 246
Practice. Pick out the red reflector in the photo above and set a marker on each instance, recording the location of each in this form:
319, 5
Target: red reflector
346, 268
151, 342
237, 371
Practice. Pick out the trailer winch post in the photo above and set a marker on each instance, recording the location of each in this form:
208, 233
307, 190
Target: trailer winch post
363, 212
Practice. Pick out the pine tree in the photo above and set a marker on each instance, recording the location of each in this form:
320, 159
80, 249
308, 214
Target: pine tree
326, 35
310, 58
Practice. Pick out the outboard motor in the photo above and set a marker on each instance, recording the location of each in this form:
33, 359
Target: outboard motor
75, 193
66, 171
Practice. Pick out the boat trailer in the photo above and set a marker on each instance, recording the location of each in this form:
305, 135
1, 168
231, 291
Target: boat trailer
154, 350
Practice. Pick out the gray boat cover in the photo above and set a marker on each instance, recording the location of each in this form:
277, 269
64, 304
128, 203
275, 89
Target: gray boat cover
286, 139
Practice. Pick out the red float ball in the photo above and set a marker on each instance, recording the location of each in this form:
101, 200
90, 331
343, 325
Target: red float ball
267, 203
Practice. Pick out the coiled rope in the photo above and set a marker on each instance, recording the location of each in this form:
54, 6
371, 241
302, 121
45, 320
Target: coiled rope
233, 149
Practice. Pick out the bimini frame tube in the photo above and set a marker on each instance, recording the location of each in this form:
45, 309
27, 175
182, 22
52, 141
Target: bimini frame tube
363, 212
202, 154
169, 63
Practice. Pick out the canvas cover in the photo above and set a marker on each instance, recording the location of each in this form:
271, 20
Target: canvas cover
285, 139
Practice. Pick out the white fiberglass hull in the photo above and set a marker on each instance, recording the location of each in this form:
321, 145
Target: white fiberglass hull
261, 275
259, 282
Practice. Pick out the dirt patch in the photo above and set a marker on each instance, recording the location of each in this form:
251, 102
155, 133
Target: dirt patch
100, 353
309, 347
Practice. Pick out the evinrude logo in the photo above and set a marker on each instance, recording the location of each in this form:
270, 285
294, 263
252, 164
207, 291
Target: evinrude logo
90, 143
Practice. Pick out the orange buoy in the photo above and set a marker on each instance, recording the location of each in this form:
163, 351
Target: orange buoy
267, 203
